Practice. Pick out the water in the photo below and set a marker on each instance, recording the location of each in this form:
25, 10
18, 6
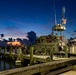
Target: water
6, 65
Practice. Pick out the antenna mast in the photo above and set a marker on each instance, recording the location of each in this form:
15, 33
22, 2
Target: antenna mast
63, 16
55, 12
63, 12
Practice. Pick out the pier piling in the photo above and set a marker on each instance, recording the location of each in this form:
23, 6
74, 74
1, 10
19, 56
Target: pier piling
31, 55
5, 51
66, 51
18, 61
51, 54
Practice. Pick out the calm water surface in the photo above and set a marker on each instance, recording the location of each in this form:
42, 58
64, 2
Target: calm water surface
6, 65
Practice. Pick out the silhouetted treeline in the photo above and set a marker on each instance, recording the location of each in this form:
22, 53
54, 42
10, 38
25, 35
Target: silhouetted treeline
26, 42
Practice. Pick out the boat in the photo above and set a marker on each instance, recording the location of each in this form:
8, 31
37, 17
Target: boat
52, 40
72, 46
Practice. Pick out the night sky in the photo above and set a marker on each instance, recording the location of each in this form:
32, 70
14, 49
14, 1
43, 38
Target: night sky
18, 17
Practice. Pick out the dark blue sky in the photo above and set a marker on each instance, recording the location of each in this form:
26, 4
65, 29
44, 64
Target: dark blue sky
17, 17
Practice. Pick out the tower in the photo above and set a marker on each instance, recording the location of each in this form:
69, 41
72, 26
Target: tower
60, 27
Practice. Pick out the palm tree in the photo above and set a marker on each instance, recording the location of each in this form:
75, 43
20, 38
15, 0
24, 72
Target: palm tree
2, 35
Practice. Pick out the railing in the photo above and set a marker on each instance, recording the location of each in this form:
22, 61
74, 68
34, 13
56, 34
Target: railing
37, 53
50, 68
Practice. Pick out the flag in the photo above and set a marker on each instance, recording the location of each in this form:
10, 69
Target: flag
63, 21
63, 9
60, 37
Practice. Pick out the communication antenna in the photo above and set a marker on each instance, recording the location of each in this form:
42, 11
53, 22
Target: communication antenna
63, 16
63, 12
55, 19
55, 13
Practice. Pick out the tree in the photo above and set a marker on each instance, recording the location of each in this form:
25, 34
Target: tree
2, 35
10, 39
32, 37
19, 39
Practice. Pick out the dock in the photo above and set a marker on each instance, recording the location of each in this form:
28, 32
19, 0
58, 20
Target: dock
49, 68
48, 64
18, 56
